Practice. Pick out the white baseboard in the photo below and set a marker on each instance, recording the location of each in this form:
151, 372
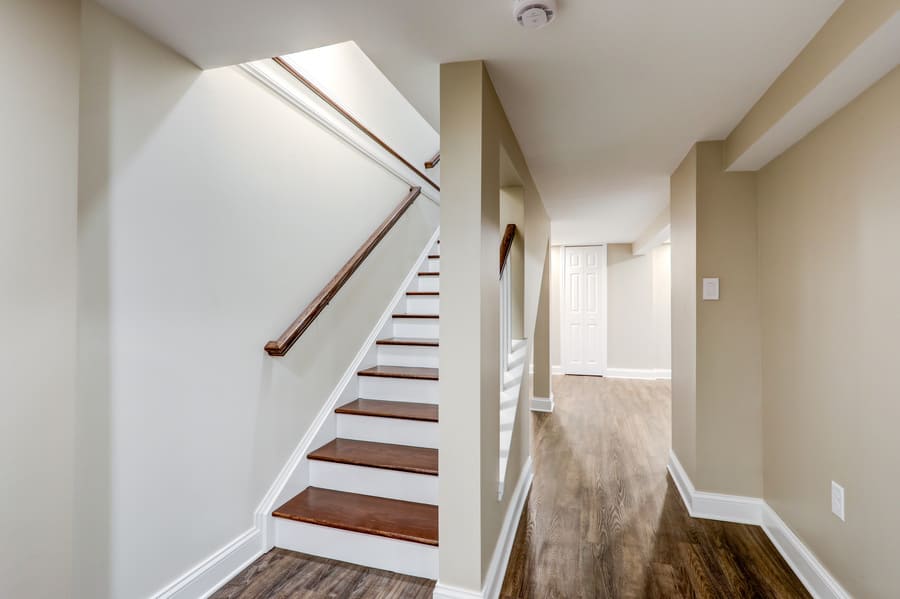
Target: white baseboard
553, 369
542, 404
752, 510
638, 373
208, 576
815, 577
493, 580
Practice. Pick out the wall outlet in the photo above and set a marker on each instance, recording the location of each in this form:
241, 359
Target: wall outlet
837, 500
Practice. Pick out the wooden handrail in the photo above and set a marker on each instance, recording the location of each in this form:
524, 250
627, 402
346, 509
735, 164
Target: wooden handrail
325, 98
434, 161
506, 245
280, 346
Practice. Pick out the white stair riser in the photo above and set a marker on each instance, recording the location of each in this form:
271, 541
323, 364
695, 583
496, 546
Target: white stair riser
394, 389
435, 250
434, 265
512, 377
378, 482
414, 559
423, 304
418, 328
408, 355
416, 433
428, 284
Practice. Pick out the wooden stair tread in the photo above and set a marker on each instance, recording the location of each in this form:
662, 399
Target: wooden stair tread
434, 256
402, 372
403, 520
429, 273
438, 293
418, 342
403, 410
405, 458
406, 315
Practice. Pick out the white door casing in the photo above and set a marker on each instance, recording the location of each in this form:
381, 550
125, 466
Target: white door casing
584, 310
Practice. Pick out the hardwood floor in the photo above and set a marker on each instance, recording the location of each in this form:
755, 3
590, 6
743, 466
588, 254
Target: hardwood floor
603, 520
281, 574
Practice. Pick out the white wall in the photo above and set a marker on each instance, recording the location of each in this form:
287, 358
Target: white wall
38, 198
638, 313
348, 76
210, 213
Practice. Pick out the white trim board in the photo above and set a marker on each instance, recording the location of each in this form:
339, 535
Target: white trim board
493, 579
280, 81
638, 373
555, 369
820, 583
208, 576
543, 404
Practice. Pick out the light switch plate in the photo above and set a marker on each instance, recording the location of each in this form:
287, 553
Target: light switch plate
711, 289
837, 500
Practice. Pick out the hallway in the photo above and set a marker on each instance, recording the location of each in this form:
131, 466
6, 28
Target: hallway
604, 520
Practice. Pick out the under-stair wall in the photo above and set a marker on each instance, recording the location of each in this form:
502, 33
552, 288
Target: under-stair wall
210, 212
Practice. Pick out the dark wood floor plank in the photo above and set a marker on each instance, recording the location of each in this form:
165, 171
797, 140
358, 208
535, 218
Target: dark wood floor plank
602, 454
404, 520
282, 574
418, 460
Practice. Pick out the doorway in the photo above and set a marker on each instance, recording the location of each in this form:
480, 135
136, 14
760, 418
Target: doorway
584, 310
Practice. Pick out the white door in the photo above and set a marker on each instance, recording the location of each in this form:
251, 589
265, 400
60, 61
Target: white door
584, 310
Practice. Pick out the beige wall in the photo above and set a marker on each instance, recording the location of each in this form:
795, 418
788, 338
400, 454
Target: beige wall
683, 207
662, 305
729, 409
39, 59
829, 215
638, 311
541, 353
555, 305
716, 402
637, 307
474, 128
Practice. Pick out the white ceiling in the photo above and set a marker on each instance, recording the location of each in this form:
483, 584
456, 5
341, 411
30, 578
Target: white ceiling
605, 101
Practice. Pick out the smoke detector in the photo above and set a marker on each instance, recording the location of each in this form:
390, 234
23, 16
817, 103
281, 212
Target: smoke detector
534, 14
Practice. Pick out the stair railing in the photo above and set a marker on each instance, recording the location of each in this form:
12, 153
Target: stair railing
283, 344
506, 243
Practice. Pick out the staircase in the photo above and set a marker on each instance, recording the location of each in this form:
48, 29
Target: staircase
373, 491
